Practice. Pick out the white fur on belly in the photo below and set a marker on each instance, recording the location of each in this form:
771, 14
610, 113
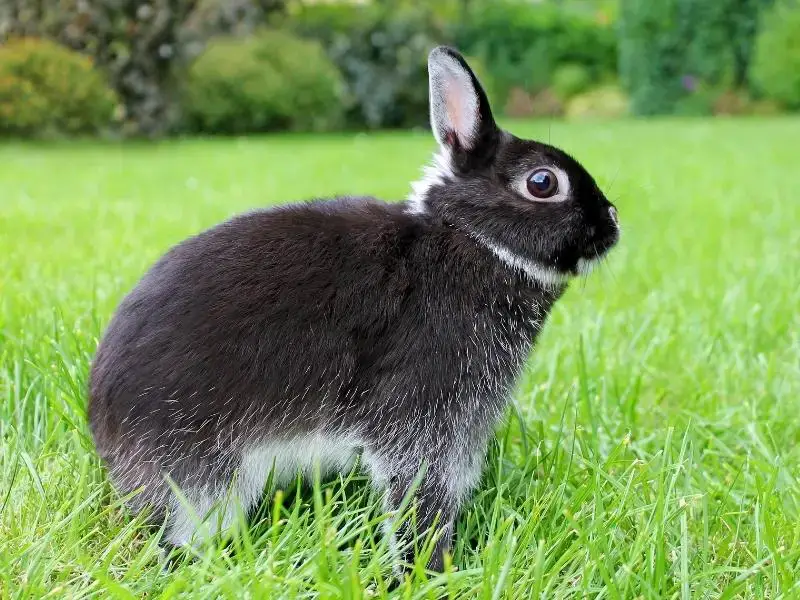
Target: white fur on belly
210, 513
333, 453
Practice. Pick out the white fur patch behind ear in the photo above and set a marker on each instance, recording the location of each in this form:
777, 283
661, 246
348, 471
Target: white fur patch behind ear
437, 172
454, 102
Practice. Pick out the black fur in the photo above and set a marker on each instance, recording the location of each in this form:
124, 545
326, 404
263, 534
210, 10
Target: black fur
391, 329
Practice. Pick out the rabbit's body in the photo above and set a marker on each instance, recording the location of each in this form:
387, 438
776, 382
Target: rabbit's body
311, 333
282, 336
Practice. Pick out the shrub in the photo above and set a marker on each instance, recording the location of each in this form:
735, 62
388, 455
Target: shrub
667, 47
46, 88
524, 44
231, 17
607, 101
776, 69
652, 54
732, 102
708, 100
137, 44
22, 109
738, 102
545, 103
381, 50
699, 102
570, 80
722, 36
268, 81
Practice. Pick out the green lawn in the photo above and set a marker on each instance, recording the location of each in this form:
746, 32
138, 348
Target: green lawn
656, 447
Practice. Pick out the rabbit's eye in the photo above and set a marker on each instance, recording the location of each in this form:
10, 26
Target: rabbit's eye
542, 183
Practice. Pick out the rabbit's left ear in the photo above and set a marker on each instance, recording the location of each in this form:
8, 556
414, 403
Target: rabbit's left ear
461, 118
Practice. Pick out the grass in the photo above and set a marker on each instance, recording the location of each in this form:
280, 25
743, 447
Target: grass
655, 450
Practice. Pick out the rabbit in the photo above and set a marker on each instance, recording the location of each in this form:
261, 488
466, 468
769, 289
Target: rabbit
330, 332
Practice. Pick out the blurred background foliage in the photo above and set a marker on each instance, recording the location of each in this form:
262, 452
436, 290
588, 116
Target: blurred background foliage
268, 80
159, 67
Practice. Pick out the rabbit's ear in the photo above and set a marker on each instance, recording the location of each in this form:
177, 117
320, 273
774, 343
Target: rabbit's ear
460, 115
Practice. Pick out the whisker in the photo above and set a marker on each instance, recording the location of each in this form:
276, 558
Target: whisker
605, 264
603, 260
613, 180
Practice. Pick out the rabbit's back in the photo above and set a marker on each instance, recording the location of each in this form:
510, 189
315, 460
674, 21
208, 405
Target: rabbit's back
237, 318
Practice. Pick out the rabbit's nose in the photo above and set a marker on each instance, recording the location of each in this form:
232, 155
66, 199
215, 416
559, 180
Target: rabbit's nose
612, 212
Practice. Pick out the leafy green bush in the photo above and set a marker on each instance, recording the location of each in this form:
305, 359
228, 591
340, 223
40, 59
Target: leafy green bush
738, 102
381, 50
139, 45
46, 88
544, 103
570, 80
667, 48
211, 18
697, 103
652, 54
22, 109
607, 101
722, 37
776, 68
265, 82
525, 44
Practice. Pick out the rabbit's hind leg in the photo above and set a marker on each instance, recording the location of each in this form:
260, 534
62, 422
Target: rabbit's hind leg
440, 488
197, 515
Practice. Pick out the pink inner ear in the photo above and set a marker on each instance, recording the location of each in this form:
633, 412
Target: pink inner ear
454, 108
463, 112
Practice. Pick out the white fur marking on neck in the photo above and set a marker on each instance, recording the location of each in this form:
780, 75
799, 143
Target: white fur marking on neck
533, 269
437, 172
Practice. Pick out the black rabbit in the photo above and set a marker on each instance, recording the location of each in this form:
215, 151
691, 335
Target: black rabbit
314, 332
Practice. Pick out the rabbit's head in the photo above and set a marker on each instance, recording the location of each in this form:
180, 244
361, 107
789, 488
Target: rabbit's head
530, 203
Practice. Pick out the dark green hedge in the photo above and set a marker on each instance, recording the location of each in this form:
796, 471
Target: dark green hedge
670, 50
776, 68
381, 51
267, 81
525, 44
47, 89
